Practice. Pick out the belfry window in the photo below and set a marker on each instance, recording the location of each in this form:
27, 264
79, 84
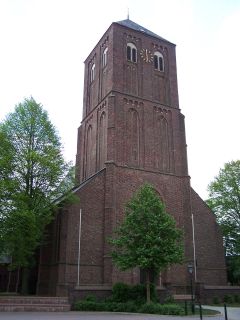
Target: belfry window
158, 61
92, 73
131, 52
104, 57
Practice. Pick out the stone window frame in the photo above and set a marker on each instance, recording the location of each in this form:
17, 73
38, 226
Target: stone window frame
92, 72
131, 52
158, 61
105, 57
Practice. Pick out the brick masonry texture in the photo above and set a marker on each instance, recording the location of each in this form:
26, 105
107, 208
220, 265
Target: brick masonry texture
132, 132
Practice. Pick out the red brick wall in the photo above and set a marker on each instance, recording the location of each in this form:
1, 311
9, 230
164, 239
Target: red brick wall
92, 233
172, 192
211, 268
142, 140
144, 84
128, 143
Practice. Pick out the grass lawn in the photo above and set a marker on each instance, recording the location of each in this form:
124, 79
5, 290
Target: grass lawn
234, 304
206, 312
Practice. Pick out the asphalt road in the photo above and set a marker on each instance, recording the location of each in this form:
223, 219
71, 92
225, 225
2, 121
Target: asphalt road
233, 313
94, 316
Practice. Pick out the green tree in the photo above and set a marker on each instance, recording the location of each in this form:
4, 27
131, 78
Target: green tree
148, 237
233, 269
32, 172
224, 200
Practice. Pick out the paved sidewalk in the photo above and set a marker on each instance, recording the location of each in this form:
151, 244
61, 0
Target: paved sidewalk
94, 316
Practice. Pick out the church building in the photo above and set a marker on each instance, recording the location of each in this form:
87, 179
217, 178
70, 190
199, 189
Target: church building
132, 132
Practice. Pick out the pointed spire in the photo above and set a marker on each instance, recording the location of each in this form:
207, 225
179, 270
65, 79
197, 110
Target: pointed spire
128, 14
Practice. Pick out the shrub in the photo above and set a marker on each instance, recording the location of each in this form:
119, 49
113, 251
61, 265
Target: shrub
216, 300
120, 292
167, 309
154, 308
88, 306
131, 307
228, 298
120, 306
171, 309
169, 299
148, 308
154, 296
113, 306
236, 298
90, 297
138, 293
84, 305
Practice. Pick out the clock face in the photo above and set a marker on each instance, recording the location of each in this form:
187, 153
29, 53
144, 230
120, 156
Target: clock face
146, 55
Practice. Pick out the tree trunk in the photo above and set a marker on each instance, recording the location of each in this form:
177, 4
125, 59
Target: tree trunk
9, 280
148, 285
17, 281
25, 278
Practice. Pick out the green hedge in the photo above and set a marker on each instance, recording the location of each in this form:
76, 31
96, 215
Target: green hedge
105, 306
130, 306
122, 292
126, 298
228, 298
85, 305
157, 308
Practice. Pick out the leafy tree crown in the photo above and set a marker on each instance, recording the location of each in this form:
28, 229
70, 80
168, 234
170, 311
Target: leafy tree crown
224, 200
148, 237
32, 175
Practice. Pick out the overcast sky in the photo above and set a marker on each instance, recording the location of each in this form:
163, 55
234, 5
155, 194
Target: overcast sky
43, 44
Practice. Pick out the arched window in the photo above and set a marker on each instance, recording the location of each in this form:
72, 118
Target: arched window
102, 141
92, 73
131, 52
88, 157
162, 145
104, 57
133, 138
158, 61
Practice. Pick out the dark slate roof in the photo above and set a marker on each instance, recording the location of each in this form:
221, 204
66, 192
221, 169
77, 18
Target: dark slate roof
132, 25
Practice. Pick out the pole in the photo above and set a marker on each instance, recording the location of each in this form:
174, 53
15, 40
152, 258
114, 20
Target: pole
200, 311
79, 246
225, 312
193, 238
193, 306
194, 250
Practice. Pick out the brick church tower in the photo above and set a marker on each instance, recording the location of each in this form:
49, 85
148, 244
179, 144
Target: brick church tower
132, 132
